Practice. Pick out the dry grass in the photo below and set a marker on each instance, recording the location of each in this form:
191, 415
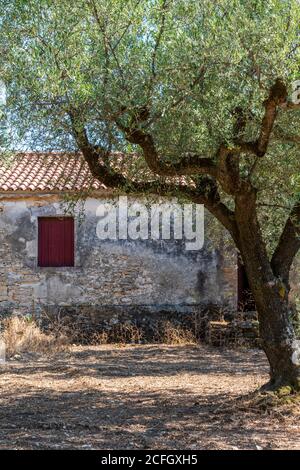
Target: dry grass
123, 332
127, 333
175, 334
21, 335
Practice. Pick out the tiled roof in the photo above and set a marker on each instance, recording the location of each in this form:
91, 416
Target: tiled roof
47, 172
67, 172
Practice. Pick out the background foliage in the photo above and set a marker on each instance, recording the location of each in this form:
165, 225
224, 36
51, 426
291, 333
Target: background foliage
191, 63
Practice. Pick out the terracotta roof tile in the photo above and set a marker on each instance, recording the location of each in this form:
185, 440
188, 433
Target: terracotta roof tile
47, 172
66, 172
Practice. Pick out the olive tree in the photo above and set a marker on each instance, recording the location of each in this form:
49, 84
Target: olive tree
202, 93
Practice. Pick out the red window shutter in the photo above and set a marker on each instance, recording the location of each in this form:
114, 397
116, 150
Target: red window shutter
55, 241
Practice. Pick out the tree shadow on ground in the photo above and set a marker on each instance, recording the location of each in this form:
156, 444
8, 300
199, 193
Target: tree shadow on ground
155, 360
181, 397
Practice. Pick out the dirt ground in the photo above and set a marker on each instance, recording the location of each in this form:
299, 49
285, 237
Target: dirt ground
139, 397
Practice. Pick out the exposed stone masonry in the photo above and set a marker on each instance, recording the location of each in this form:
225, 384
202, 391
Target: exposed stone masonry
110, 277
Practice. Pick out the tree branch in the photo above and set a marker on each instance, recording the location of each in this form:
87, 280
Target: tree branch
288, 245
282, 136
190, 164
277, 97
288, 105
205, 193
158, 38
94, 155
228, 169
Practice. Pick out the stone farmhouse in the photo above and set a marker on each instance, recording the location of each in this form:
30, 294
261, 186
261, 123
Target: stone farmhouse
51, 260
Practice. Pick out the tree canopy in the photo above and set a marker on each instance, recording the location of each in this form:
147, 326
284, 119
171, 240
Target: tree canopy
190, 76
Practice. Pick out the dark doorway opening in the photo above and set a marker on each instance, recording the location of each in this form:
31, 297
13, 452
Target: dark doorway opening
245, 298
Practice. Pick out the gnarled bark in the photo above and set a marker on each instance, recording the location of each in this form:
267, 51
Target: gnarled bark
271, 298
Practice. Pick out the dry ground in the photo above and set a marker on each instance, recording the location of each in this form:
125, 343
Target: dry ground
139, 397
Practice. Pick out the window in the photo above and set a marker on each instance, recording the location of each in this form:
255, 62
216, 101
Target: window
55, 241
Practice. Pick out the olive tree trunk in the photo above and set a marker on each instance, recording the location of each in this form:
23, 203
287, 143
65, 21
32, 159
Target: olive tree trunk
271, 298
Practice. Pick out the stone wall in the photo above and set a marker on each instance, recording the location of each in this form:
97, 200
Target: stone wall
112, 276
